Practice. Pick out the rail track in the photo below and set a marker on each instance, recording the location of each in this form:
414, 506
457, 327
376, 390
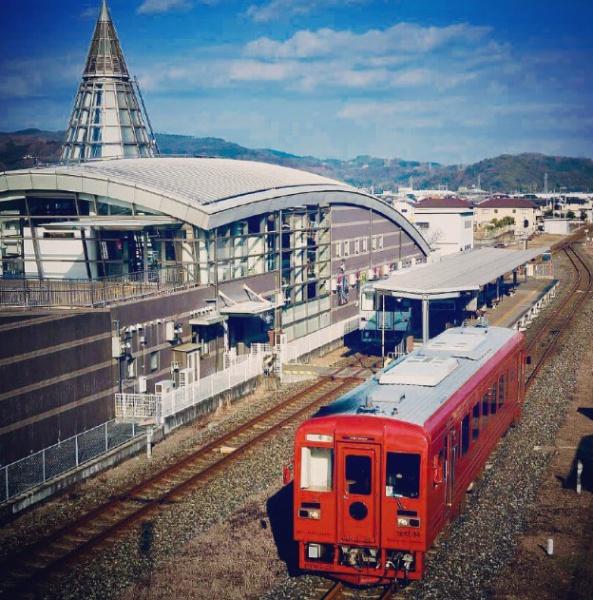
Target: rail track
542, 344
30, 567
335, 590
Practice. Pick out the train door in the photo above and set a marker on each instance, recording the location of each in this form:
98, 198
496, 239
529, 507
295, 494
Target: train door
451, 459
358, 493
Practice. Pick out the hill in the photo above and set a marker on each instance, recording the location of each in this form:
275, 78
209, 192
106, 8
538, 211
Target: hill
524, 172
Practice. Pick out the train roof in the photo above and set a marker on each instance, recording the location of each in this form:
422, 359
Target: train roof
414, 387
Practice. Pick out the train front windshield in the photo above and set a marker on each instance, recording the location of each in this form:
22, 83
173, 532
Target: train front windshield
367, 299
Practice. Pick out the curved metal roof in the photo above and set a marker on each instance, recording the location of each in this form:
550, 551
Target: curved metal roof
203, 180
206, 192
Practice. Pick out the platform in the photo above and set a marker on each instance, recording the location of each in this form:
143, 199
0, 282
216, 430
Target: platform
511, 308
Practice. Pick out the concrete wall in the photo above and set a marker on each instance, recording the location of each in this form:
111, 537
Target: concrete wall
56, 379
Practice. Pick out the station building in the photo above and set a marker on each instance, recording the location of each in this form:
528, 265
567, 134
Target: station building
172, 260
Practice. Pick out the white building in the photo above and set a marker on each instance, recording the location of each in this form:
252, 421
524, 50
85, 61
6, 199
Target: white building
447, 224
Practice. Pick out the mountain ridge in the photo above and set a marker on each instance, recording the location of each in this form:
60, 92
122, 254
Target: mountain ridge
506, 172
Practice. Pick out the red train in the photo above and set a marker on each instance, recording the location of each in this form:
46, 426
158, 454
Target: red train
379, 472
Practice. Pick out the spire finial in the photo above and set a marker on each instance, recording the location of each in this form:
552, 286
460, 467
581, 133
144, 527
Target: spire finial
104, 14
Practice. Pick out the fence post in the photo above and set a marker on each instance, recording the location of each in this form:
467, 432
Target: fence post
133, 428
76, 448
6, 479
43, 464
106, 437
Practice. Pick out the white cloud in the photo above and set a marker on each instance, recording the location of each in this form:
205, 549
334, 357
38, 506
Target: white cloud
281, 9
405, 38
160, 6
402, 56
39, 76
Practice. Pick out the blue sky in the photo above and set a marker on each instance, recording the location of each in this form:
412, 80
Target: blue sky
447, 80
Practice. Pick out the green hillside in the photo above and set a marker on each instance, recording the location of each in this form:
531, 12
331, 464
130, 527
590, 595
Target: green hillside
523, 172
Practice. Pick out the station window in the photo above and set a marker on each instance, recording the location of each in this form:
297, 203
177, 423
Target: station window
131, 369
501, 390
476, 421
316, 469
403, 475
365, 244
347, 248
338, 249
154, 361
358, 474
465, 435
357, 246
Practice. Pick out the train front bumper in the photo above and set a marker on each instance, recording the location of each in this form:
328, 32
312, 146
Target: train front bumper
360, 565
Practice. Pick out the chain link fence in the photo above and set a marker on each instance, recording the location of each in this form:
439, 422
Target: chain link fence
31, 471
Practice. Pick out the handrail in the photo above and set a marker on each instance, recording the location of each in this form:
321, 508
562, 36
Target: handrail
32, 292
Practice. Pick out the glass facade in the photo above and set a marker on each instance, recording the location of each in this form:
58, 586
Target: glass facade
294, 244
106, 122
305, 269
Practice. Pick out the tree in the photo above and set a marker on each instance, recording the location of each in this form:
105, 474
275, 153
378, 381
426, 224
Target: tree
570, 214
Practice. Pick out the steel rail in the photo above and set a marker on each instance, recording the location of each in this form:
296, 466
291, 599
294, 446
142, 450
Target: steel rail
335, 591
564, 313
108, 509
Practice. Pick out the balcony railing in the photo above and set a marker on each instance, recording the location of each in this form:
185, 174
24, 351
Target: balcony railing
96, 293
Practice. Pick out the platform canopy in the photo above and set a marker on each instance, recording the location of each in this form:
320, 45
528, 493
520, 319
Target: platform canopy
456, 273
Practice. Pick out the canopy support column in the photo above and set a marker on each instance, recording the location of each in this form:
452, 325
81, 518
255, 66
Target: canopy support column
425, 319
383, 330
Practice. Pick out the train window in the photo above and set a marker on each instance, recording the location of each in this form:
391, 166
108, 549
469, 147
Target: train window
501, 390
485, 409
476, 421
492, 396
465, 435
358, 474
316, 469
403, 475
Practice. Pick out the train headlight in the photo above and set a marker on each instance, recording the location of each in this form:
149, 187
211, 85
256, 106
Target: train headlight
405, 522
310, 513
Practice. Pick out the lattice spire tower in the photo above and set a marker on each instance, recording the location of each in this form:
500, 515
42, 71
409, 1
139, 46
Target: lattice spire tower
107, 120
